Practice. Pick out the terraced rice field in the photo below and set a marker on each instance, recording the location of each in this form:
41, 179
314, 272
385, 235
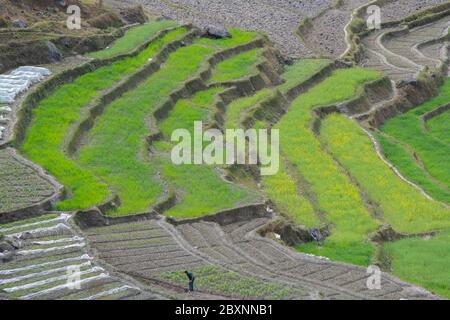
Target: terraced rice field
133, 39
193, 183
323, 175
133, 179
354, 150
107, 135
46, 136
427, 155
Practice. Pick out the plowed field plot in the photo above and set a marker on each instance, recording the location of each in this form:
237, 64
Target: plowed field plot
163, 262
405, 45
399, 52
325, 33
230, 283
21, 185
49, 260
235, 247
141, 249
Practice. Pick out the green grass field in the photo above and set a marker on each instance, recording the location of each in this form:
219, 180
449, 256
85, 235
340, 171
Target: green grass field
338, 199
290, 197
408, 128
116, 151
284, 188
401, 205
200, 188
404, 160
423, 261
239, 66
236, 111
439, 127
133, 38
52, 118
281, 188
301, 71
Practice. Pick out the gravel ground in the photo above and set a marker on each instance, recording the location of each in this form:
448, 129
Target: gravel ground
402, 8
327, 36
278, 19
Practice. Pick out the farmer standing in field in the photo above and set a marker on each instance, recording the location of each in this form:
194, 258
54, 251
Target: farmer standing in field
191, 280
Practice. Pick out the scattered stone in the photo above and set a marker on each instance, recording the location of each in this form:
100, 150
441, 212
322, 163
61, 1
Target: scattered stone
6, 246
15, 242
133, 15
290, 233
217, 32
19, 24
6, 256
53, 51
3, 23
25, 236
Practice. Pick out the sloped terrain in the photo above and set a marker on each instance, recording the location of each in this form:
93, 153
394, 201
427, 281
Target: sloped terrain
325, 34
35, 32
395, 52
103, 129
279, 20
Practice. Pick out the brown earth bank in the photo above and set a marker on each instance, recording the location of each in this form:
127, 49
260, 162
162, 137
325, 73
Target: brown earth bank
36, 32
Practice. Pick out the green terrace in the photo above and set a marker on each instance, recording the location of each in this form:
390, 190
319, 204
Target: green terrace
330, 176
428, 156
45, 138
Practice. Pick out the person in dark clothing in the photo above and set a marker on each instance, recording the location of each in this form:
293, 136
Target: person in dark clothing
191, 280
317, 236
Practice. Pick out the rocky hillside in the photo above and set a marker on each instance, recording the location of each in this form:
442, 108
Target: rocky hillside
35, 32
